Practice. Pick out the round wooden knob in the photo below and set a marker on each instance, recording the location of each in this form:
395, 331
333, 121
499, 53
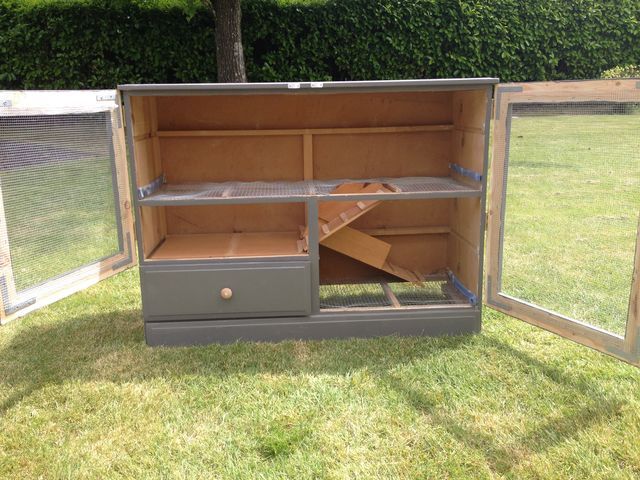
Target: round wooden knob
226, 293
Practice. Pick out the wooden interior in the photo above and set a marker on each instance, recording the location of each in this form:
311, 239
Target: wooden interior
221, 231
417, 231
303, 136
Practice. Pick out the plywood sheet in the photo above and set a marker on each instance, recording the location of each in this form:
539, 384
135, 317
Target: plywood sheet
465, 219
220, 159
271, 217
358, 245
463, 260
468, 149
382, 155
226, 245
470, 109
423, 253
406, 213
303, 110
154, 227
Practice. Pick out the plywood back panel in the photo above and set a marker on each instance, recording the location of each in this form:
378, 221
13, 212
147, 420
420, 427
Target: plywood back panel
220, 159
424, 253
382, 155
406, 213
303, 110
272, 217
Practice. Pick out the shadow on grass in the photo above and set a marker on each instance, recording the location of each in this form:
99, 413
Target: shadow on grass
110, 347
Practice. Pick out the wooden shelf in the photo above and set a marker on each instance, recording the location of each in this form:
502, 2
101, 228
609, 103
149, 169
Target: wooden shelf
228, 245
240, 192
304, 131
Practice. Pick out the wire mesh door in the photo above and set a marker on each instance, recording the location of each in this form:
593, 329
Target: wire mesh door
565, 198
65, 218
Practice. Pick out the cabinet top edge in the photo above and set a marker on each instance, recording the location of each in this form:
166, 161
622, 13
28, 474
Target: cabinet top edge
308, 87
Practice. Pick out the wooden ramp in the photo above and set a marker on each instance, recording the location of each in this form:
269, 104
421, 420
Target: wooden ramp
334, 232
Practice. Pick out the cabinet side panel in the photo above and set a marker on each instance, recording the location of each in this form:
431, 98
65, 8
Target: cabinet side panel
468, 151
146, 151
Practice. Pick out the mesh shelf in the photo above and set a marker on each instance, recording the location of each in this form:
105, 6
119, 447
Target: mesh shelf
372, 295
201, 193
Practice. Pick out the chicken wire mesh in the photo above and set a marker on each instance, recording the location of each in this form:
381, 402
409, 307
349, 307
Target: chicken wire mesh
373, 295
59, 189
198, 191
571, 208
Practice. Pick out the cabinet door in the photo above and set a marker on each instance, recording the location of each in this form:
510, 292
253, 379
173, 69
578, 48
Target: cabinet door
65, 209
563, 250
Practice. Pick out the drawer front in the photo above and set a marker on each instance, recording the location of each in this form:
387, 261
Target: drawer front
252, 290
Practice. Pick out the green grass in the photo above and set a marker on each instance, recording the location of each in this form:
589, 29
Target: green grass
82, 396
572, 215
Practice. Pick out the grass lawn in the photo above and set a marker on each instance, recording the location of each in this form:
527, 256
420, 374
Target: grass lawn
81, 396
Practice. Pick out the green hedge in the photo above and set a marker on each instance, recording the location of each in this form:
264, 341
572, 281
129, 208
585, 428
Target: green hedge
100, 43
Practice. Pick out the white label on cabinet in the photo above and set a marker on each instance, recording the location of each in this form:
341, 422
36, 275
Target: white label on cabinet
106, 97
293, 85
317, 84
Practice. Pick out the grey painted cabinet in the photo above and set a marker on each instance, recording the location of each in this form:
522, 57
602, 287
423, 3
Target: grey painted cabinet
272, 211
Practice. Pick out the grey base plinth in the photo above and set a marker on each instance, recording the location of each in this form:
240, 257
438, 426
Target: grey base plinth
432, 322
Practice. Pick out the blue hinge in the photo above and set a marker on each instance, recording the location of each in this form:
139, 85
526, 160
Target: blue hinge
150, 188
465, 172
473, 300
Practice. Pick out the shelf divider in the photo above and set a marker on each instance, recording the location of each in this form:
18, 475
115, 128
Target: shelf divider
305, 131
208, 193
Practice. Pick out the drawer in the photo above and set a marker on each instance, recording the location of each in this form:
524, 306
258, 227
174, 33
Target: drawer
252, 290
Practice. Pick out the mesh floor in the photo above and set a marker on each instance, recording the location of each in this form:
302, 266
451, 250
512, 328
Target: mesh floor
427, 293
372, 295
199, 191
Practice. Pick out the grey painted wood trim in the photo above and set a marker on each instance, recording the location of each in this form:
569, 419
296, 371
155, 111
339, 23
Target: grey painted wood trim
307, 87
345, 325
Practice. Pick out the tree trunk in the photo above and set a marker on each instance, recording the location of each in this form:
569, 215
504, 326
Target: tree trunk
229, 52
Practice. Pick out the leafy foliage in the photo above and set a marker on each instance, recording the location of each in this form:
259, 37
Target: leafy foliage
100, 43
622, 71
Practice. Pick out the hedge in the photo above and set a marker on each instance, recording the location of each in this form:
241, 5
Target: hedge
100, 43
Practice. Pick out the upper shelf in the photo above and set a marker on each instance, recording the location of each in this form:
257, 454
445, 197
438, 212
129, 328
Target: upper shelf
255, 192
305, 131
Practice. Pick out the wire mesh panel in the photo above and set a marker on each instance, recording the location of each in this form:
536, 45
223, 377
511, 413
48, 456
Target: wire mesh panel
353, 295
571, 208
391, 295
437, 292
310, 188
63, 189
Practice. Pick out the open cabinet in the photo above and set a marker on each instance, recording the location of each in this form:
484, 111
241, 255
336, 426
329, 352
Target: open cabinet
313, 210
